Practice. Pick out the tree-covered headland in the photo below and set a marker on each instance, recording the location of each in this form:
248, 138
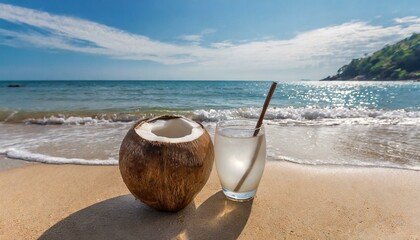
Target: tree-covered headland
400, 61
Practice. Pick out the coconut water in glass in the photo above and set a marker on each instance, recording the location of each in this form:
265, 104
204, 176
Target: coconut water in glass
240, 153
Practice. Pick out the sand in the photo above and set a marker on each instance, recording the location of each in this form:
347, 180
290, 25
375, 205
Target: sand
293, 202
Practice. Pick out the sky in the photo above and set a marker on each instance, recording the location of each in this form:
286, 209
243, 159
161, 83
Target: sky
195, 40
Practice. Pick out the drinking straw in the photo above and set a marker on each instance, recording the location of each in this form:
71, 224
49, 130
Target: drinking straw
257, 130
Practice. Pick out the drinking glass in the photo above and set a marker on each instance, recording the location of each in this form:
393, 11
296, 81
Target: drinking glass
240, 152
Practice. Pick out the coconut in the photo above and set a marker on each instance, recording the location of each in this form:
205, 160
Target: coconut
165, 161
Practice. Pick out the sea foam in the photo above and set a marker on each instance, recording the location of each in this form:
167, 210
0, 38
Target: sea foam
36, 157
289, 115
66, 120
349, 163
317, 116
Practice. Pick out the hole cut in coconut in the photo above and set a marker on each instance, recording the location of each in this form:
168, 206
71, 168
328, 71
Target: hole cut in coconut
173, 130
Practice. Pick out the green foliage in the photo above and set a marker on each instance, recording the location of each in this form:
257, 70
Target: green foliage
400, 61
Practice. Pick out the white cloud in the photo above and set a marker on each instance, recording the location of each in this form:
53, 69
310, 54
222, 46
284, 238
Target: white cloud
409, 19
315, 51
197, 38
320, 46
191, 38
224, 44
64, 31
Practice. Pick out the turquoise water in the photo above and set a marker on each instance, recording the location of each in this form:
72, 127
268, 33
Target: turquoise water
375, 124
127, 96
207, 100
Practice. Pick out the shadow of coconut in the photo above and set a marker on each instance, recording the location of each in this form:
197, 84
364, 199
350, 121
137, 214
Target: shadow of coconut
124, 217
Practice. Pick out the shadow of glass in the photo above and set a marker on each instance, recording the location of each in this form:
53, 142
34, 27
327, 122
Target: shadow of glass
124, 217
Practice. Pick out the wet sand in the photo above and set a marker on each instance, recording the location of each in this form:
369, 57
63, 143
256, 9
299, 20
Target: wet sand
8, 163
293, 201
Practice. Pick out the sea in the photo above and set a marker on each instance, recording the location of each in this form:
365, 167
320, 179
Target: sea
351, 123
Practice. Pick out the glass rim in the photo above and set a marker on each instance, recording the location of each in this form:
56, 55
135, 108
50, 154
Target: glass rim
239, 124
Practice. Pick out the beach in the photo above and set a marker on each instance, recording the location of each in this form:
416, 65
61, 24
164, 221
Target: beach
293, 201
342, 163
317, 99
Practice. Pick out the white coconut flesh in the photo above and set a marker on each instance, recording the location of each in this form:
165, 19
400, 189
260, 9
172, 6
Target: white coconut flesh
174, 130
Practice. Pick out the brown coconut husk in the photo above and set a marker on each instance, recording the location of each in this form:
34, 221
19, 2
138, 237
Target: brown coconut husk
165, 176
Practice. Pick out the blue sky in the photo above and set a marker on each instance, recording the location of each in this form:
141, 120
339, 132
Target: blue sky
232, 40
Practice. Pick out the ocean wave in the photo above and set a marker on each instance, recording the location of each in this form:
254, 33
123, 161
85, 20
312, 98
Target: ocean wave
41, 158
75, 118
352, 163
274, 115
313, 116
53, 120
